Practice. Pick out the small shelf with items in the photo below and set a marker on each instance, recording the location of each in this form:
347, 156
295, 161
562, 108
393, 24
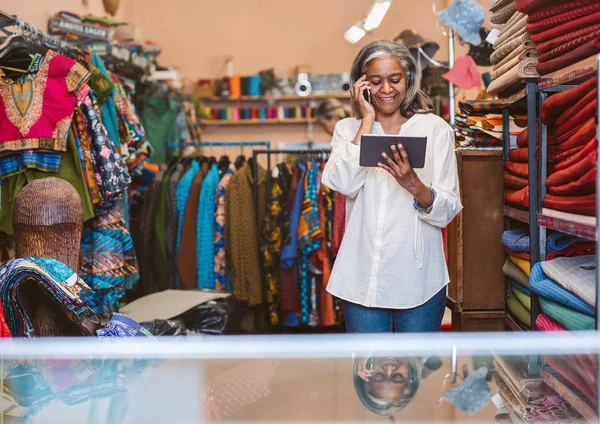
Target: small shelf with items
285, 121
577, 225
339, 96
516, 214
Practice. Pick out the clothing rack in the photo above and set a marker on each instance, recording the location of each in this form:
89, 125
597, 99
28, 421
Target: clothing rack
266, 144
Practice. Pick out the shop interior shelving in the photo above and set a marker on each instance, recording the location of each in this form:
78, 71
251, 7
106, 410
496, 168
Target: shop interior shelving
339, 96
217, 122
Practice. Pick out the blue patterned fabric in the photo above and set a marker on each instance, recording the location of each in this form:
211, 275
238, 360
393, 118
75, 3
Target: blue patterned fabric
205, 231
289, 253
44, 161
122, 326
465, 17
543, 286
518, 241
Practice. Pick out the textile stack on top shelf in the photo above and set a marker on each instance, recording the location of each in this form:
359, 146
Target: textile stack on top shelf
480, 124
515, 56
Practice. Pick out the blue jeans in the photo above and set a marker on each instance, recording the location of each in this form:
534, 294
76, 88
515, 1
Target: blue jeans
426, 318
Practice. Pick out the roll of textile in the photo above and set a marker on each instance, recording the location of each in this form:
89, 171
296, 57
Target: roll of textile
578, 249
583, 152
525, 69
510, 270
516, 168
551, 290
562, 18
525, 54
579, 112
573, 172
556, 9
565, 28
523, 298
572, 320
583, 205
568, 46
503, 14
556, 104
527, 45
517, 198
581, 136
582, 52
520, 154
523, 264
514, 29
545, 323
508, 48
518, 310
235, 86
582, 33
529, 6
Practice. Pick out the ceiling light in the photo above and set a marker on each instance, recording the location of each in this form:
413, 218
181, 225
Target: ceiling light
376, 14
354, 34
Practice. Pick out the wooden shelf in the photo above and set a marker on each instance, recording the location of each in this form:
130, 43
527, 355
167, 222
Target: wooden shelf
513, 324
577, 225
287, 121
569, 74
341, 96
517, 214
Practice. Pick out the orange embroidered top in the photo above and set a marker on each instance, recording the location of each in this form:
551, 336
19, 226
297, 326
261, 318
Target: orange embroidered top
36, 110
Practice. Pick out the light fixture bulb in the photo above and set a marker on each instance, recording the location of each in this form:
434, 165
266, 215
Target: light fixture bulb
376, 14
354, 34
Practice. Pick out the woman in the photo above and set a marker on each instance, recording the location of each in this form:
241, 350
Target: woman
329, 113
391, 271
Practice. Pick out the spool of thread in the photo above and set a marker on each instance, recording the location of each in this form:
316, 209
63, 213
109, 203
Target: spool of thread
263, 113
215, 113
246, 113
281, 113
235, 87
223, 114
254, 113
245, 85
254, 85
236, 114
226, 87
230, 114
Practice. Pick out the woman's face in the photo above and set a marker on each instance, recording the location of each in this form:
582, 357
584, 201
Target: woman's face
388, 84
329, 124
390, 378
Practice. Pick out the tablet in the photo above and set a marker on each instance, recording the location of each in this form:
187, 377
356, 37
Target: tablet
373, 145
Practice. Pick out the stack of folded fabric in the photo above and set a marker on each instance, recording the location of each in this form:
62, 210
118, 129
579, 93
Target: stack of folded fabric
517, 244
571, 119
516, 178
515, 57
480, 124
518, 303
564, 32
29, 282
567, 291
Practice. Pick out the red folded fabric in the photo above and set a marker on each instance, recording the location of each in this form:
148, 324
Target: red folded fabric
586, 184
514, 182
577, 249
583, 205
563, 365
549, 32
572, 57
554, 21
516, 168
573, 172
522, 138
521, 255
545, 323
568, 46
518, 198
590, 147
581, 136
556, 104
582, 33
529, 6
588, 104
556, 158
556, 9
519, 155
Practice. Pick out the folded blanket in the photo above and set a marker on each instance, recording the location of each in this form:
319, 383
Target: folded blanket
572, 320
568, 46
517, 198
578, 249
500, 4
524, 289
511, 30
523, 298
525, 54
525, 69
570, 58
577, 114
559, 157
530, 6
582, 205
566, 27
519, 155
573, 172
523, 137
545, 323
549, 11
518, 240
527, 45
562, 18
586, 184
522, 264
571, 395
551, 290
577, 275
582, 33
472, 107
519, 255
579, 155
503, 14
555, 105
518, 310
508, 48
514, 182
513, 272
517, 168
580, 137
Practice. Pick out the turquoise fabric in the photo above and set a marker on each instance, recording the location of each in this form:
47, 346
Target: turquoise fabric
109, 109
205, 248
572, 320
182, 195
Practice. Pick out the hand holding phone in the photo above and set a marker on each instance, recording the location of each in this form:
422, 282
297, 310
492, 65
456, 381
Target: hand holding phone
361, 95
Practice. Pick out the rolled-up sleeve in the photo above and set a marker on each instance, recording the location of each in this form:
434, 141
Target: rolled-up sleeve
342, 172
445, 182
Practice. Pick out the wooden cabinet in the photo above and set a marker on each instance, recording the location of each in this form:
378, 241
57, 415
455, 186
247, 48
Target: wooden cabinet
475, 254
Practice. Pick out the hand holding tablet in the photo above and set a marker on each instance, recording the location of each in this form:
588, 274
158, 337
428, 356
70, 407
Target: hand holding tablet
372, 146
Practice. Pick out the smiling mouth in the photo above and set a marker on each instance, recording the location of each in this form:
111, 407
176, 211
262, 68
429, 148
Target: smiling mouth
387, 99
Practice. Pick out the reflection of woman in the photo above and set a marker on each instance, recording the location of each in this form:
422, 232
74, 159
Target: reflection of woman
391, 269
329, 113
386, 386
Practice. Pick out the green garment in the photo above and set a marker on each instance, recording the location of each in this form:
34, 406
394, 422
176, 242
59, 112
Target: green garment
518, 310
523, 298
159, 118
70, 170
161, 215
569, 318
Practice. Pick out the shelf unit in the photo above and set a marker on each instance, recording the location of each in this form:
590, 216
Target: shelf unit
287, 121
339, 96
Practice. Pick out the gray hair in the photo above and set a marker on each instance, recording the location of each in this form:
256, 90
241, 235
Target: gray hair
415, 100
332, 108
389, 408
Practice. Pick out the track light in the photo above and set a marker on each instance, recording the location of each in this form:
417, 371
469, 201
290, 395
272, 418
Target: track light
355, 33
376, 14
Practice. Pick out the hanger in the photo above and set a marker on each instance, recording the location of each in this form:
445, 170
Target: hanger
224, 163
240, 161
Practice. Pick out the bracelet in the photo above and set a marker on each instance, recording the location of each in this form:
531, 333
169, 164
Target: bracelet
428, 209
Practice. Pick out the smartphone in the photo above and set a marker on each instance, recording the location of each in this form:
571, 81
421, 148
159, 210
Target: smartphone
367, 94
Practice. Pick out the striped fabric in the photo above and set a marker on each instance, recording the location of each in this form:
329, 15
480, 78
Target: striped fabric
572, 320
545, 323
576, 275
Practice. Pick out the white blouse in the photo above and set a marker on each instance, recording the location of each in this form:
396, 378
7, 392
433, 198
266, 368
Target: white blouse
392, 256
